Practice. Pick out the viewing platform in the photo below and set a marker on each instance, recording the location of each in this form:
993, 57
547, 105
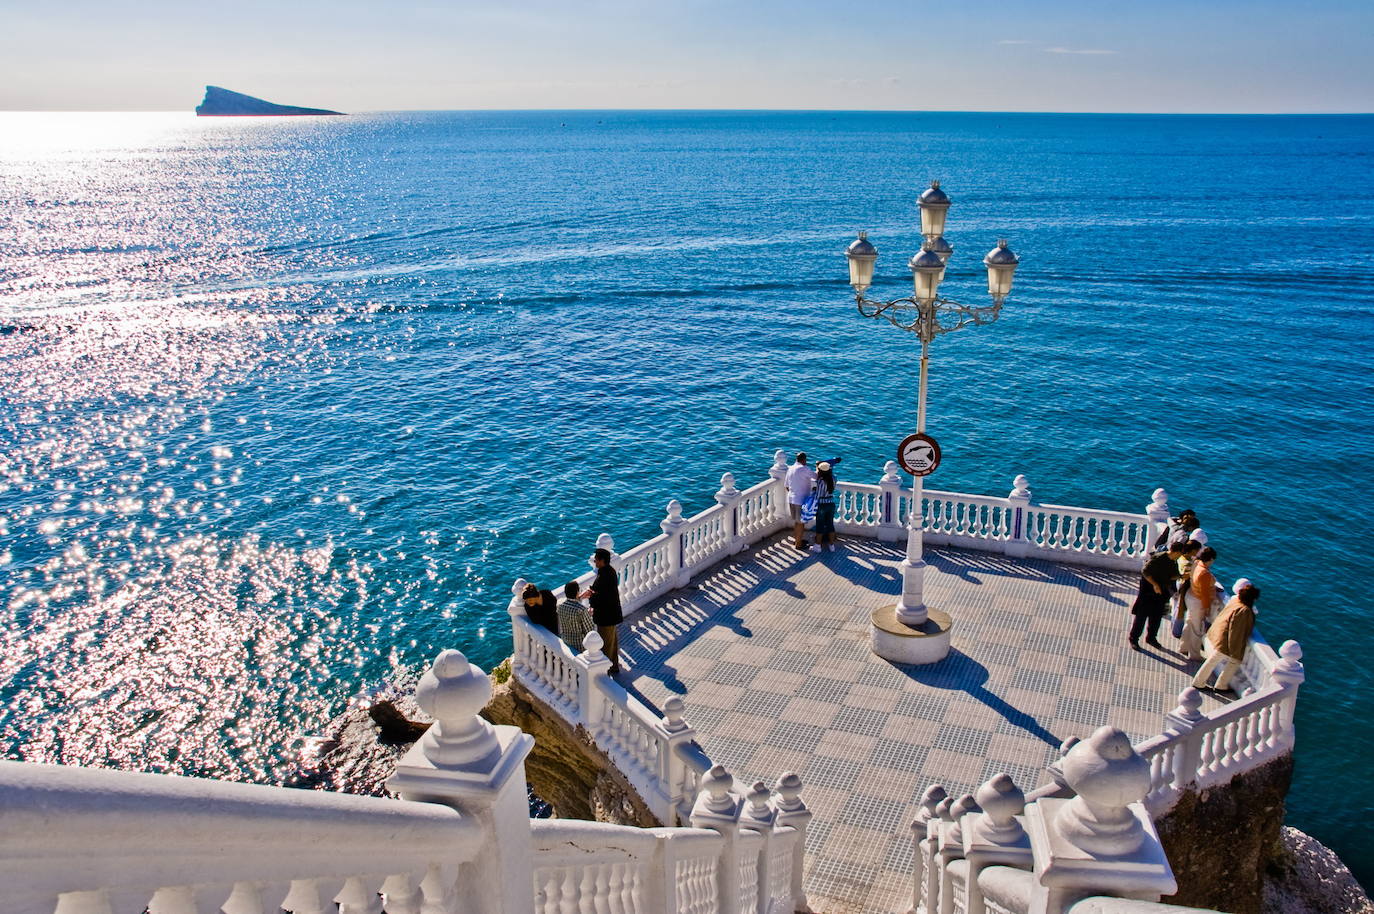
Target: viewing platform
788, 767
770, 649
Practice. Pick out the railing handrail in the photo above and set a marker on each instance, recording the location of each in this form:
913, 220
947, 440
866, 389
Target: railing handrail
59, 824
1132, 517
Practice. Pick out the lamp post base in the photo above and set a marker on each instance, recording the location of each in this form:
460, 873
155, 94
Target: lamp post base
917, 644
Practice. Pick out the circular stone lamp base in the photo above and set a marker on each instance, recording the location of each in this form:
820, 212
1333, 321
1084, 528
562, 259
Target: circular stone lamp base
901, 643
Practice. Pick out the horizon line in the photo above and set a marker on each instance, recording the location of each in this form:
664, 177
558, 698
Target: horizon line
191, 111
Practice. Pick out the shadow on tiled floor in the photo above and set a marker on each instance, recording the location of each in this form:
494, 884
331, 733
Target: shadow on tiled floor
771, 652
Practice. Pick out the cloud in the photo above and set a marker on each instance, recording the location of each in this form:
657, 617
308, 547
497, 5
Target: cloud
1077, 51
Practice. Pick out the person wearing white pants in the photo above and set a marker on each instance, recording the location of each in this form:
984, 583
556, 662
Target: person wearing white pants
1229, 637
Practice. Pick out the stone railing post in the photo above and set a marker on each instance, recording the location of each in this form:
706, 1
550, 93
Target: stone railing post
1018, 517
466, 763
673, 731
792, 812
516, 609
779, 473
1183, 720
718, 809
596, 667
672, 525
1100, 842
760, 816
952, 848
1158, 513
996, 836
891, 524
1288, 672
923, 843
729, 497
607, 542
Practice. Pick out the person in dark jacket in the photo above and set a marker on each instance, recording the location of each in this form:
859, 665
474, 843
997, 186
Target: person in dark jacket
1152, 597
541, 606
604, 598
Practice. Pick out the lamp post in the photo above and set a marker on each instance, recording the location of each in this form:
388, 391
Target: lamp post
910, 631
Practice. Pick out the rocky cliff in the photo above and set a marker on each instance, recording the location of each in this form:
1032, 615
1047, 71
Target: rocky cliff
224, 103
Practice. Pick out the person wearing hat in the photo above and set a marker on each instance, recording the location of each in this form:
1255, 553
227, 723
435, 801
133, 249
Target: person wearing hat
800, 480
604, 598
1230, 636
825, 508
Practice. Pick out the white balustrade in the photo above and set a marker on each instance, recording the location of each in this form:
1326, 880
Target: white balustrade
858, 508
758, 510
646, 573
1113, 539
88, 839
976, 521
705, 538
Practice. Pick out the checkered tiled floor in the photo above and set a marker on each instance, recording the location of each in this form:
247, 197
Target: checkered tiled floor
771, 652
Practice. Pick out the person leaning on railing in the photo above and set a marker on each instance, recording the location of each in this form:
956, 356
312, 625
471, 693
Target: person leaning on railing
541, 606
1230, 635
1157, 585
1202, 591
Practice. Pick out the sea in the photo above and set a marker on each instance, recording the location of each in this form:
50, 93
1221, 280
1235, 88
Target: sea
286, 405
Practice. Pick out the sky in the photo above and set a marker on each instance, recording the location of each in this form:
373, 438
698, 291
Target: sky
1041, 55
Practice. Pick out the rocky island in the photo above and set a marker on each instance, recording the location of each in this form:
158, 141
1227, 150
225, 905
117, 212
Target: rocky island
225, 103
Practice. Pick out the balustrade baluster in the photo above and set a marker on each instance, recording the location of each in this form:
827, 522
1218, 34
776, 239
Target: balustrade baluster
359, 896
179, 899
401, 894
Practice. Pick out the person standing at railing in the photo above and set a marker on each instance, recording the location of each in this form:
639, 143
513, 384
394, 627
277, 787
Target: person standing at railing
604, 597
1157, 585
574, 622
1230, 636
1201, 593
541, 606
800, 480
825, 508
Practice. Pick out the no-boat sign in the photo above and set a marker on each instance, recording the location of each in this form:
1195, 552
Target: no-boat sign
919, 454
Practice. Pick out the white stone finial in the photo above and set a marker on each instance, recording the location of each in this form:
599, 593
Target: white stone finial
1002, 801
779, 468
517, 602
890, 476
1108, 775
957, 810
1020, 487
673, 710
607, 542
453, 691
789, 789
758, 798
1288, 670
1160, 499
592, 644
727, 485
1189, 705
930, 800
674, 510
715, 784
942, 809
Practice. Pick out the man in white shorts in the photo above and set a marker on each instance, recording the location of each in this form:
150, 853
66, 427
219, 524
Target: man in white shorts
801, 479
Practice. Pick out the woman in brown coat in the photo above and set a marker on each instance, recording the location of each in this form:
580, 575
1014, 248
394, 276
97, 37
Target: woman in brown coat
1229, 636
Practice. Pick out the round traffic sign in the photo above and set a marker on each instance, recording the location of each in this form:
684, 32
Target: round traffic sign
919, 454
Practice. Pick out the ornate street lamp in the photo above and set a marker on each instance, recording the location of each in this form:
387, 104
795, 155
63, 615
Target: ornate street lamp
910, 631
